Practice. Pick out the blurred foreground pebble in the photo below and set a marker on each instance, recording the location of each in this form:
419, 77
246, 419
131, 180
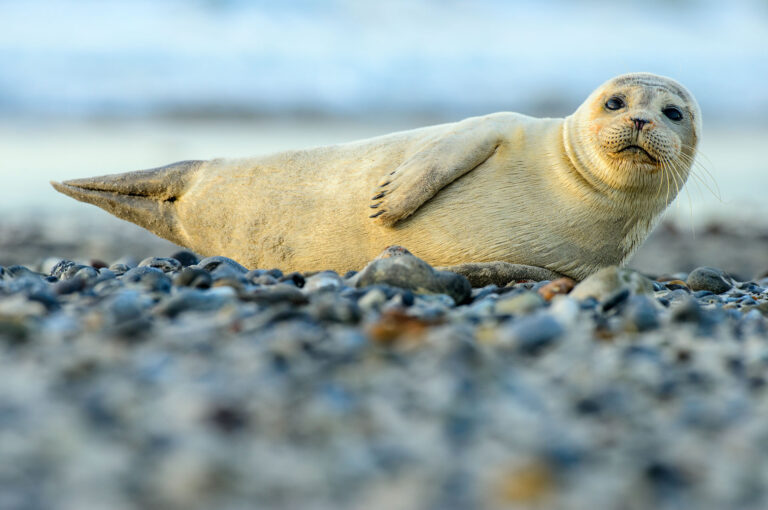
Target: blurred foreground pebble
181, 383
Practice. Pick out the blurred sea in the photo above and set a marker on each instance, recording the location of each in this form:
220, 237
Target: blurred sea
444, 58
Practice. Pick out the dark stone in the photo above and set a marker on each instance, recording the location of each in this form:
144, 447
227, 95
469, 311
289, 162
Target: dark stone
193, 277
186, 258
228, 418
296, 278
615, 300
708, 278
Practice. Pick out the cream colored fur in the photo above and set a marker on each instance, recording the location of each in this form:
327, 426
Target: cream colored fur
502, 187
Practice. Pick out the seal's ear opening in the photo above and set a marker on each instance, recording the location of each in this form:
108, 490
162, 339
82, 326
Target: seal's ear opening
146, 197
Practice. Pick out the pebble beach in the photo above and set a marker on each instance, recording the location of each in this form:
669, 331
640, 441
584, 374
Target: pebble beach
181, 382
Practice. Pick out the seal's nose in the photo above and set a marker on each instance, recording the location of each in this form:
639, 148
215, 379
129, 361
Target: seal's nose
639, 123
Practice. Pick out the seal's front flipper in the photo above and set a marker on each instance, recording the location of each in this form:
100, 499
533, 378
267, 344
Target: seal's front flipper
147, 197
400, 193
500, 273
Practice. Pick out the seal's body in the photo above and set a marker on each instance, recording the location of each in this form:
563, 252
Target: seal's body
570, 195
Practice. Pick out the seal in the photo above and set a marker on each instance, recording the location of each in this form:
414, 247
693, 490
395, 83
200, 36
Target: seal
494, 197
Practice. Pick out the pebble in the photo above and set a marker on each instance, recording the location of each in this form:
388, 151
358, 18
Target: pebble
607, 281
165, 264
522, 303
176, 382
398, 268
708, 278
534, 333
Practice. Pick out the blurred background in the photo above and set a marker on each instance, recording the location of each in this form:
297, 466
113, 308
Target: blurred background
95, 87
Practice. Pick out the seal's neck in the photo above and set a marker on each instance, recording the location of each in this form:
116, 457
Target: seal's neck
583, 160
600, 176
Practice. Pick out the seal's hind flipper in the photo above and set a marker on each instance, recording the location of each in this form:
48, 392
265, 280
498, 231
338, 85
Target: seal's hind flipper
146, 197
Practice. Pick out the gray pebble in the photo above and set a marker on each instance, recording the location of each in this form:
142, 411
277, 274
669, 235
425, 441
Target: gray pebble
212, 263
708, 278
165, 264
535, 332
324, 280
641, 313
408, 272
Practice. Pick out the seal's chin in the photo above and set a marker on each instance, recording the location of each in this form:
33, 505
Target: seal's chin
637, 153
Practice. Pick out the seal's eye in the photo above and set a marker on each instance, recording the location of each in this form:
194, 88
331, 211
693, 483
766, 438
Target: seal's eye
672, 113
614, 103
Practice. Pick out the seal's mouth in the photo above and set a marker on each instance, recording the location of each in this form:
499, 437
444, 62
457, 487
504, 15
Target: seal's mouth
636, 149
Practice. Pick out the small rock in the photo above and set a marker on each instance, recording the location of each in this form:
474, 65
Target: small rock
555, 287
641, 313
373, 299
708, 278
186, 258
193, 277
399, 268
535, 332
193, 300
324, 280
119, 268
164, 264
210, 264
61, 267
609, 280
521, 303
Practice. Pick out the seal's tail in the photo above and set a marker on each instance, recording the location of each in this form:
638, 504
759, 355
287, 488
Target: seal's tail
147, 197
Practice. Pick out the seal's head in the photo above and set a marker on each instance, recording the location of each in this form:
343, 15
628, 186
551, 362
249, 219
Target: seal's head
636, 131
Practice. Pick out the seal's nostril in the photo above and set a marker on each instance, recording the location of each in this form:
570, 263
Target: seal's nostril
639, 123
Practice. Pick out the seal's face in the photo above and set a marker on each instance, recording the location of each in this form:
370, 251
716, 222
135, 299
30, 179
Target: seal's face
640, 124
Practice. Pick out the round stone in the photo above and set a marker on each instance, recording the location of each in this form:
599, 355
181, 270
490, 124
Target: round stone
708, 278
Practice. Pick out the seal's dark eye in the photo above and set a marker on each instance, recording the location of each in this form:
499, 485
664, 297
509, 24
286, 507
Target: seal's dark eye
672, 113
614, 103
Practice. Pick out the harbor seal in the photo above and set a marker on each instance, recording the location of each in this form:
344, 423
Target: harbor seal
482, 195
